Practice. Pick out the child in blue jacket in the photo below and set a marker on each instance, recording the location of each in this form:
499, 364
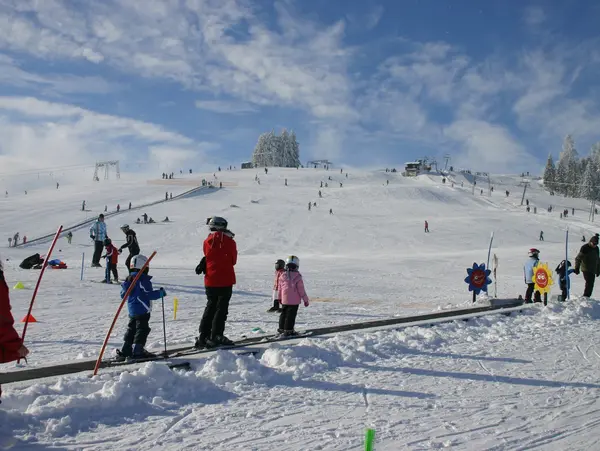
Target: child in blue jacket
139, 305
564, 270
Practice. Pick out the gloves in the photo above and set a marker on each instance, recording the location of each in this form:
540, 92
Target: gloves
163, 293
576, 271
306, 304
92, 237
201, 268
120, 251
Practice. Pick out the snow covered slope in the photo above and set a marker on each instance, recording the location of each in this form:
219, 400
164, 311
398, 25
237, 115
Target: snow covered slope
422, 388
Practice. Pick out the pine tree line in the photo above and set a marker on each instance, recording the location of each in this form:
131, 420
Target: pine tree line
279, 151
573, 176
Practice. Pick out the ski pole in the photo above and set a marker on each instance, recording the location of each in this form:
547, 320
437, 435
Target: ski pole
82, 263
162, 298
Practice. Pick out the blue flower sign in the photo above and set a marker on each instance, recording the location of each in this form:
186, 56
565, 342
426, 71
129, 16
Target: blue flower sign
477, 278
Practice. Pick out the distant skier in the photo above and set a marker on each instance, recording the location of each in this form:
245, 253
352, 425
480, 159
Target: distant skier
69, 237
171, 194
309, 206
588, 262
286, 182
16, 239
24, 239
83, 206
583, 239
98, 234
314, 204
320, 194
266, 170
426, 227
564, 270
9, 242
145, 216
139, 305
118, 208
130, 205
573, 212
528, 271
131, 243
387, 182
331, 211
105, 208
341, 185
166, 196
57, 185
290, 288
279, 268
321, 184
11, 345
112, 259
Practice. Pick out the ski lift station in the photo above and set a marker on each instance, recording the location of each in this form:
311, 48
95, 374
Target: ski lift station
414, 168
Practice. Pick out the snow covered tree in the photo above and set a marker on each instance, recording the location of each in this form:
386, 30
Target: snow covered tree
550, 174
295, 147
279, 151
587, 188
566, 172
260, 157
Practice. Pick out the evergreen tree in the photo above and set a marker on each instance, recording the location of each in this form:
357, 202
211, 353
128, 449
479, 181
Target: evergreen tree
550, 174
587, 188
295, 149
566, 172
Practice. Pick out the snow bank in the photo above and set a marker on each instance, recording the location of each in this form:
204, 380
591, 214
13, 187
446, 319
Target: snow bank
77, 404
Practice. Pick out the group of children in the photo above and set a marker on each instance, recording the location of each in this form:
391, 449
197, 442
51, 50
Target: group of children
288, 294
563, 270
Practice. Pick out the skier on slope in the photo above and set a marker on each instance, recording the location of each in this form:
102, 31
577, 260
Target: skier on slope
139, 305
564, 270
98, 234
131, 243
528, 271
290, 288
220, 251
11, 345
426, 226
112, 259
279, 268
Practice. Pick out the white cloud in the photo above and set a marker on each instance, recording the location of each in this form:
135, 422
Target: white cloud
373, 18
38, 133
225, 107
534, 16
486, 146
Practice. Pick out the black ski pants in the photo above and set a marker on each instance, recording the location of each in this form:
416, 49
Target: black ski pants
287, 317
137, 333
128, 259
98, 247
590, 279
529, 293
215, 312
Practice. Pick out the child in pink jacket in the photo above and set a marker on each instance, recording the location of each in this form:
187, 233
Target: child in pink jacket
279, 268
291, 292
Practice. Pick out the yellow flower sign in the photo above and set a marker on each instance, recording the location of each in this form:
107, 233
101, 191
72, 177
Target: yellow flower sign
542, 277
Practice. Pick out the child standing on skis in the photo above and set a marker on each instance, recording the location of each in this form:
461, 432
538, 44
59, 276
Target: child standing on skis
279, 268
112, 258
564, 270
290, 287
139, 305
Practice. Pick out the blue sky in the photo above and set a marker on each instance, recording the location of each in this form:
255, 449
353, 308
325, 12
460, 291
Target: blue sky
164, 84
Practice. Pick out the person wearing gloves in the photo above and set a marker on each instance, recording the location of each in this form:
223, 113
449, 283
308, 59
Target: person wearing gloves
588, 262
139, 305
528, 270
290, 287
131, 243
98, 234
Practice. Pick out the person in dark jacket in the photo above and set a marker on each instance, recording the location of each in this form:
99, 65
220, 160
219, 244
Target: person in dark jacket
139, 305
131, 243
220, 251
11, 345
588, 262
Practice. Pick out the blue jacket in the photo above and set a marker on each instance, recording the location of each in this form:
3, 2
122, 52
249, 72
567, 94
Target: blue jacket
528, 269
98, 231
565, 282
141, 297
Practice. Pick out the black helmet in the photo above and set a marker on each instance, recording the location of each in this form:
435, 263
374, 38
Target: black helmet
216, 223
279, 265
107, 242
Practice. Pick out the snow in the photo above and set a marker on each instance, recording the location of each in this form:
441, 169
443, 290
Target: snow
525, 381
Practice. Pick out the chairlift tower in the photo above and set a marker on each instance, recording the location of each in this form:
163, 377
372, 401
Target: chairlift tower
106, 165
447, 160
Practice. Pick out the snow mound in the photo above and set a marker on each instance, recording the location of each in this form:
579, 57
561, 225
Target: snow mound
78, 404
227, 369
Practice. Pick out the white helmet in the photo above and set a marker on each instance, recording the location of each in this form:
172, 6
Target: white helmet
292, 260
125, 227
138, 261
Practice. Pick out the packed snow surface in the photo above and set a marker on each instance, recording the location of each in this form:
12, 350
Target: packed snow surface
528, 381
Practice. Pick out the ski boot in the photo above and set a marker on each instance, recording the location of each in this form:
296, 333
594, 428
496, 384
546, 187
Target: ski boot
140, 353
290, 333
218, 340
122, 356
200, 342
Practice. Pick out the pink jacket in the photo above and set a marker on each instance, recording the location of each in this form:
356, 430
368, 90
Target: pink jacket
291, 288
276, 295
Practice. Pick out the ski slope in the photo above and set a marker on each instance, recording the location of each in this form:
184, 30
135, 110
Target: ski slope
493, 383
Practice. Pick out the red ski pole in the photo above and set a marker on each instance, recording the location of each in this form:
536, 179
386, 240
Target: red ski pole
127, 293
37, 285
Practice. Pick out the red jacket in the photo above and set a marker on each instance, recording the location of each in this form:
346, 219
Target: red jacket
220, 251
113, 253
10, 342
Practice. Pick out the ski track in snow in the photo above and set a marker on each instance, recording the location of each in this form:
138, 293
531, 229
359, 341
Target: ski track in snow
527, 381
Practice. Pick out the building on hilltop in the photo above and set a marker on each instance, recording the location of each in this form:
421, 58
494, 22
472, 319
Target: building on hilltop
279, 151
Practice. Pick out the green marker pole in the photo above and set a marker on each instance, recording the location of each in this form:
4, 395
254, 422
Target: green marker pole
369, 439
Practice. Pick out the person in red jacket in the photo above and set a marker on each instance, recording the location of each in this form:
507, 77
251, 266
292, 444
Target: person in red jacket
112, 259
220, 252
11, 345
